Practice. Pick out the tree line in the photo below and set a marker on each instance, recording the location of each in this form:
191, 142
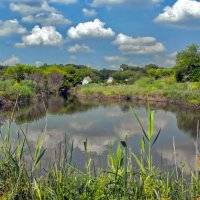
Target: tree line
29, 80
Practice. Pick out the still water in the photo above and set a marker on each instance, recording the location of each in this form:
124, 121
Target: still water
104, 123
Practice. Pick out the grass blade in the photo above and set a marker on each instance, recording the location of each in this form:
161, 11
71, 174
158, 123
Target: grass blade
139, 122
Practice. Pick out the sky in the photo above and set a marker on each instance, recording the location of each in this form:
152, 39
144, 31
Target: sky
97, 33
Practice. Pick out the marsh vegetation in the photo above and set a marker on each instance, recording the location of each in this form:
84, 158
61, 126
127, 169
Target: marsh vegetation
44, 161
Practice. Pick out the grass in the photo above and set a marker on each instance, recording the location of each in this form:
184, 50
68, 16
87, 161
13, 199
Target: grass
126, 176
164, 88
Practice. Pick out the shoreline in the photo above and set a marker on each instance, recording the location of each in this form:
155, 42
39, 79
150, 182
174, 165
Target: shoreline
153, 99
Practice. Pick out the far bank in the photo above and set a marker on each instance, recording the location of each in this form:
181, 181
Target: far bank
166, 91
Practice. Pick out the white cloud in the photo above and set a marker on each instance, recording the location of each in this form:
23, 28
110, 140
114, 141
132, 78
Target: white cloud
31, 8
80, 48
13, 60
90, 29
181, 12
138, 45
89, 12
185, 153
46, 19
39, 63
46, 35
114, 58
73, 57
11, 27
64, 1
166, 60
120, 2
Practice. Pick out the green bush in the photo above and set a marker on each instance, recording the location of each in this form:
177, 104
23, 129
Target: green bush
6, 84
30, 84
19, 90
193, 73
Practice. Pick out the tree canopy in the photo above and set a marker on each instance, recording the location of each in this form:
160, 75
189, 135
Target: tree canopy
188, 64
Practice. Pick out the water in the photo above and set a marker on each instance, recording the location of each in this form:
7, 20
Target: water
105, 123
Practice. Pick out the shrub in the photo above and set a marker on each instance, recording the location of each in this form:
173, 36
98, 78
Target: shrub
19, 90
6, 84
30, 84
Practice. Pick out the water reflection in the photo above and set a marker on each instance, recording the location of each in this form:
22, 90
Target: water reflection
185, 154
103, 123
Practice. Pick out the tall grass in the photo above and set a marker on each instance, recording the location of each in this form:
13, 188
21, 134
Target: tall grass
159, 89
126, 176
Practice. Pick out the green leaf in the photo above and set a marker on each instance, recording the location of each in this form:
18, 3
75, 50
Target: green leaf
39, 145
119, 155
156, 137
143, 145
150, 124
39, 158
112, 159
37, 190
139, 163
139, 122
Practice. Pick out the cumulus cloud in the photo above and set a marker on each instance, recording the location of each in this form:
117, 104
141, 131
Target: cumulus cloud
183, 11
114, 58
90, 29
39, 63
11, 27
47, 19
27, 8
185, 153
89, 12
64, 1
13, 60
166, 60
138, 45
47, 36
79, 48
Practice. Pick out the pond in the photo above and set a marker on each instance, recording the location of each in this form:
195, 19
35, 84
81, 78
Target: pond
104, 123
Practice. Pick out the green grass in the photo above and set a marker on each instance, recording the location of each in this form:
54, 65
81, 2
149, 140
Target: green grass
164, 88
126, 176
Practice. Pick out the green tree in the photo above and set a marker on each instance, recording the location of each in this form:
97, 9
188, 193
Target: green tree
126, 76
188, 64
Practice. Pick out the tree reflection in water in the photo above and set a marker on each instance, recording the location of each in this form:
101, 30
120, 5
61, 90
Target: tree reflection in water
102, 122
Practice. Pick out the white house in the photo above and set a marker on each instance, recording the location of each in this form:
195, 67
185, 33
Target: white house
110, 80
86, 80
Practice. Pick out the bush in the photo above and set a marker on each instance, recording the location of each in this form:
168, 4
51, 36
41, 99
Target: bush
6, 84
19, 90
193, 73
30, 84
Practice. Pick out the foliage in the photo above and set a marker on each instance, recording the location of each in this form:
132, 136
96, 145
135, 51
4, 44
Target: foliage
188, 64
24, 90
104, 74
126, 175
59, 79
165, 89
6, 84
158, 73
122, 76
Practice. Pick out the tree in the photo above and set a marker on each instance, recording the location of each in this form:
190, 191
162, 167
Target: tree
105, 74
188, 64
151, 66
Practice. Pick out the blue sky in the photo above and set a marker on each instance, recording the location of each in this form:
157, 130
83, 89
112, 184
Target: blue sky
98, 33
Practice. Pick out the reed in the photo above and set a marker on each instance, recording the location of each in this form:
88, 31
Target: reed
126, 176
